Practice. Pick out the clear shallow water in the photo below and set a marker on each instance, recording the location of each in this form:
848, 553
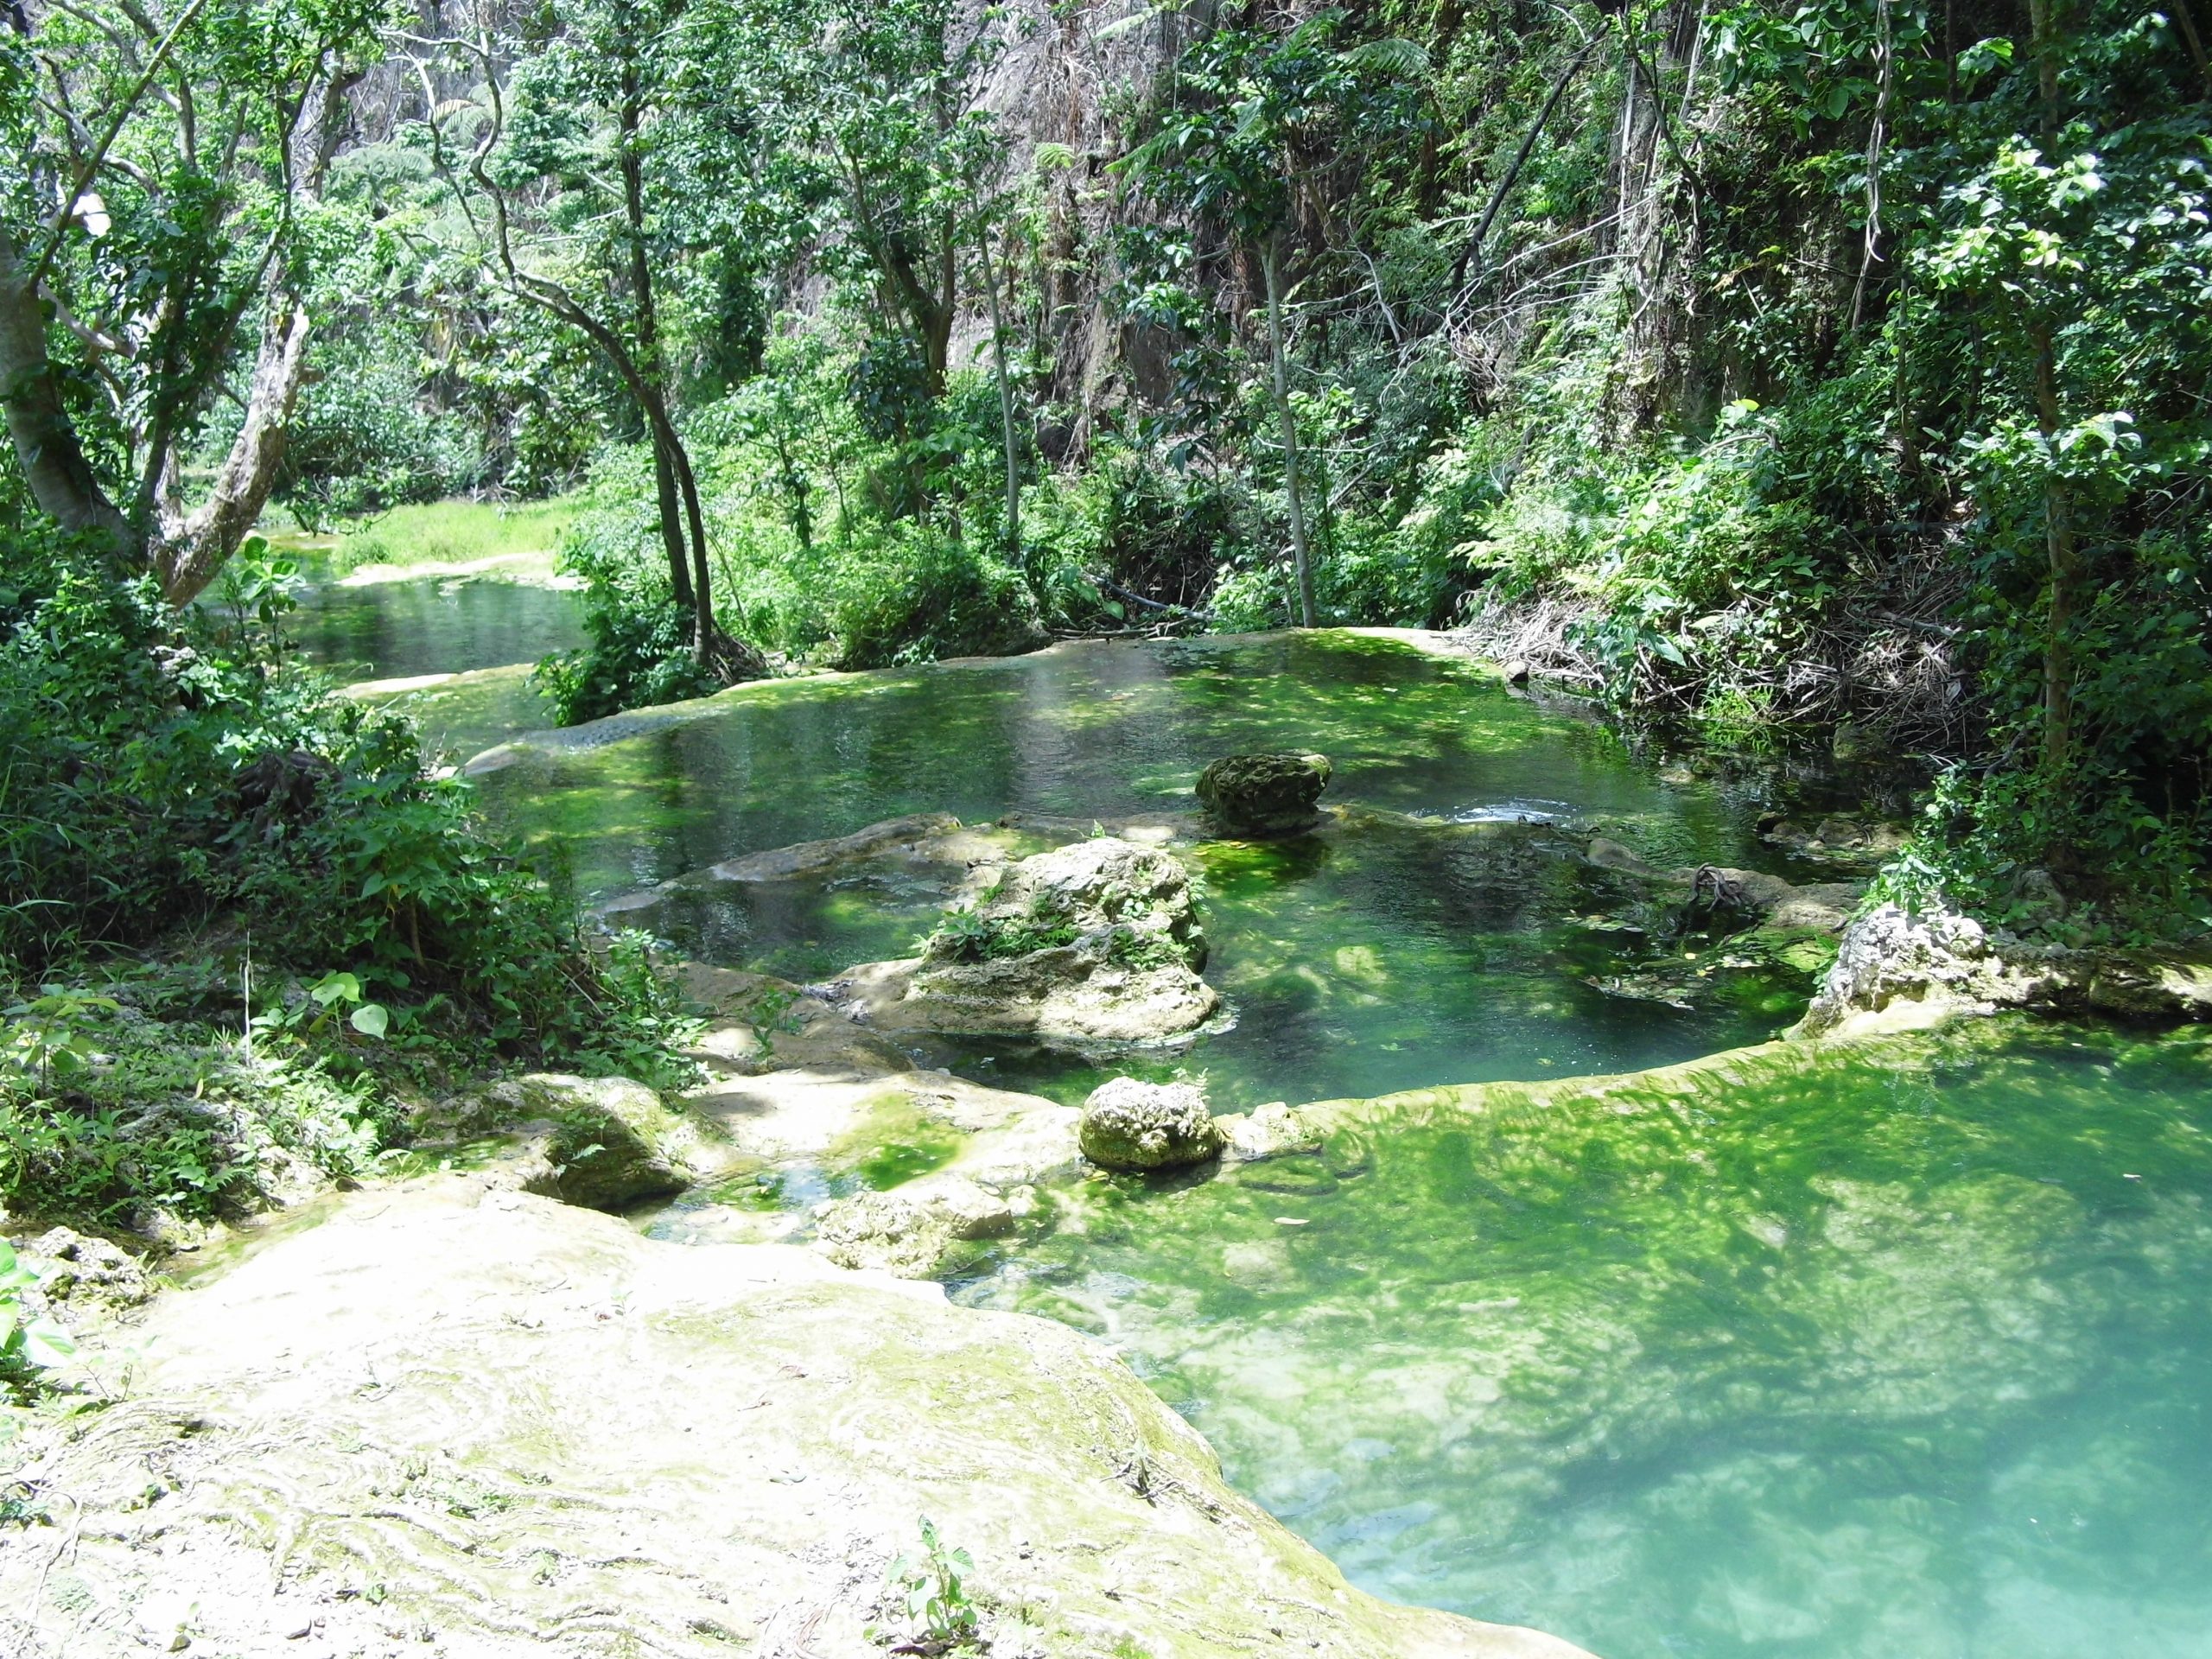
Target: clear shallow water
431, 625
1884, 1358
1428, 933
1903, 1354
479, 636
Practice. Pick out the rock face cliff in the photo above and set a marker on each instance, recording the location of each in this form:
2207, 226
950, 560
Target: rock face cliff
455, 1419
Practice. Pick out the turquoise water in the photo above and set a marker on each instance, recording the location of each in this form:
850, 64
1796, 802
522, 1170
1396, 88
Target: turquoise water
1900, 1355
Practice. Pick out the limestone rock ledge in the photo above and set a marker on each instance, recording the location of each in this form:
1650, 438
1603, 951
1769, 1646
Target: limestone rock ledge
448, 1420
1921, 967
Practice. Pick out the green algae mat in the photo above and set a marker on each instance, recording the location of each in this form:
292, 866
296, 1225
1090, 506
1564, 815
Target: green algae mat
1441, 926
1896, 1350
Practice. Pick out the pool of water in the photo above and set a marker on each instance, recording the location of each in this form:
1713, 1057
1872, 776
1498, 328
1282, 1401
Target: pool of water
1841, 1355
410, 626
1442, 926
453, 654
1838, 1356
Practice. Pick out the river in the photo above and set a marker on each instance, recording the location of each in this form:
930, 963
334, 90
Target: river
1883, 1351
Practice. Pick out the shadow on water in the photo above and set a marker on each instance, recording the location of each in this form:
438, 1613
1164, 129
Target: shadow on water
1441, 926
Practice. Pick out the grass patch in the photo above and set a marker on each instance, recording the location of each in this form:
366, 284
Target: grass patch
453, 532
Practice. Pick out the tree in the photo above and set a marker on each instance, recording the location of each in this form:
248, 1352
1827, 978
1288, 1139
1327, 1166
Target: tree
1236, 155
566, 181
161, 162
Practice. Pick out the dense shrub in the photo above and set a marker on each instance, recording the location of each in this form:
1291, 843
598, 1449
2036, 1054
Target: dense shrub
916, 594
362, 438
161, 774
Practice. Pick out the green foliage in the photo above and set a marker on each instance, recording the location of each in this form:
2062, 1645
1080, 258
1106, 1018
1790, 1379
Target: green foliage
28, 1343
931, 1586
917, 594
180, 1119
637, 647
160, 774
363, 440
968, 934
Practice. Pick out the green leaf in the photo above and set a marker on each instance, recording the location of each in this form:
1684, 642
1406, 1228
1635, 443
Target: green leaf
335, 987
47, 1344
1390, 57
371, 1020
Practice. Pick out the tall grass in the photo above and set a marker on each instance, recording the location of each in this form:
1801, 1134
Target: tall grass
453, 532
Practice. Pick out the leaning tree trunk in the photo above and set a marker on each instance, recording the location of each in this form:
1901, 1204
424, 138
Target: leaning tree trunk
190, 555
61, 480
1272, 271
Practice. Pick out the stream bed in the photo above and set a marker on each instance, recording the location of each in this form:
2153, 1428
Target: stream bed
1895, 1351
1442, 926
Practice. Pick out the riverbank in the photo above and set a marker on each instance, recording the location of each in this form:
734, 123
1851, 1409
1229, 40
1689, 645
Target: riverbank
1392, 1315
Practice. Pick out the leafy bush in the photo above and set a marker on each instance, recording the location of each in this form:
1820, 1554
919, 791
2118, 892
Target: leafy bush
635, 652
180, 1119
160, 774
28, 1343
917, 594
362, 441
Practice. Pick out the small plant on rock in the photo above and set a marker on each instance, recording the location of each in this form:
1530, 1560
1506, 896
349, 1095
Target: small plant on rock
942, 1617
26, 1344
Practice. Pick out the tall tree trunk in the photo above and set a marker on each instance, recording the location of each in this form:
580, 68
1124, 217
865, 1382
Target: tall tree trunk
1005, 406
688, 580
1271, 270
61, 479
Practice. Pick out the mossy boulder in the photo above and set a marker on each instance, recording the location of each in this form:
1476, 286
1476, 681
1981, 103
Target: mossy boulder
1097, 940
604, 1143
1258, 796
1128, 1124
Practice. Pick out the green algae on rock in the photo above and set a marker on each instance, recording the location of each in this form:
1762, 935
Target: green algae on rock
501, 1427
605, 1143
1129, 1124
1097, 941
1264, 795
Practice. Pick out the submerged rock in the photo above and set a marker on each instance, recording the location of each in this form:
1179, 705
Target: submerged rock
1128, 1124
1263, 795
1854, 842
510, 1428
1275, 1130
1097, 940
915, 1231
